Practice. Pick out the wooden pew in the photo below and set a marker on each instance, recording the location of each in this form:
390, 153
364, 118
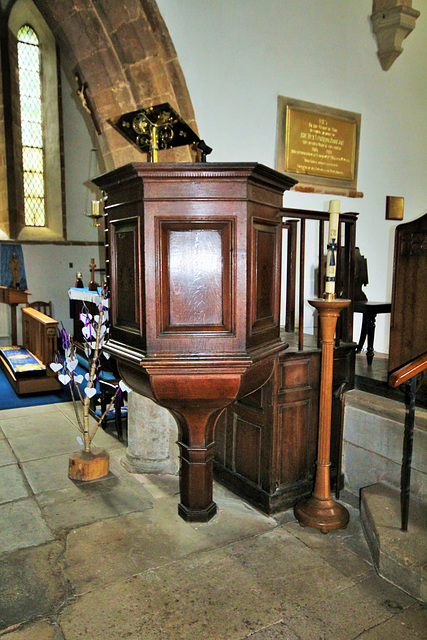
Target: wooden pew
39, 337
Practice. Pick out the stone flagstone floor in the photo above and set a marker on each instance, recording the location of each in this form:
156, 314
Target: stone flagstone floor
112, 560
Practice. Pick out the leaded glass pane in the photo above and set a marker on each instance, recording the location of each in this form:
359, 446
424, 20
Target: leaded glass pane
28, 35
28, 57
31, 126
33, 183
29, 84
32, 134
30, 110
34, 212
33, 159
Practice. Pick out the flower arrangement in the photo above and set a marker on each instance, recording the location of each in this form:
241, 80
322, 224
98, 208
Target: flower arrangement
95, 332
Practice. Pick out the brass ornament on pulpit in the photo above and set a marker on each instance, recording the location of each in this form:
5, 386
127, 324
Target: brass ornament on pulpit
157, 128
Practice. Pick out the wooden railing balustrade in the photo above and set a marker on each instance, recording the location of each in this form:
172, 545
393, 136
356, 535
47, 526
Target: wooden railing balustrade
345, 268
410, 376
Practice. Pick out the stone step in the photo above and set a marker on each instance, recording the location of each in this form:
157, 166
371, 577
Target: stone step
373, 443
400, 557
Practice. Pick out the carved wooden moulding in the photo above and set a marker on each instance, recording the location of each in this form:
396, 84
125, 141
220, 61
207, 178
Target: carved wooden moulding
194, 267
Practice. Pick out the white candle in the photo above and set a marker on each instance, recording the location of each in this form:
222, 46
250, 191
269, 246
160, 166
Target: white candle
331, 256
95, 208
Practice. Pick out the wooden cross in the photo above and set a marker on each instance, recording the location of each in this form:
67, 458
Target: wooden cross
332, 247
92, 285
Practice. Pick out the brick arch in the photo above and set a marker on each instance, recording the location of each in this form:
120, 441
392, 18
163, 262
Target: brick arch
123, 51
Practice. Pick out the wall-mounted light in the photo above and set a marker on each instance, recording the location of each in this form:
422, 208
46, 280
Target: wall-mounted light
96, 206
97, 211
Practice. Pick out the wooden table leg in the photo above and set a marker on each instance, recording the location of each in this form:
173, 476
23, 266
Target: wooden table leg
371, 322
14, 325
363, 332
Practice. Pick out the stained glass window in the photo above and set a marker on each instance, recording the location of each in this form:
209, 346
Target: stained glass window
31, 127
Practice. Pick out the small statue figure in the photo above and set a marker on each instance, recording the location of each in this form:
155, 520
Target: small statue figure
15, 267
79, 282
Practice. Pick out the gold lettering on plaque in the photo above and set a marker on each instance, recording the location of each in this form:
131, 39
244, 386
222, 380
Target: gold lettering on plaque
319, 144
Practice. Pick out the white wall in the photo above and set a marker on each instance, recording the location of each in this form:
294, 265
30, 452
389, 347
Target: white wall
238, 56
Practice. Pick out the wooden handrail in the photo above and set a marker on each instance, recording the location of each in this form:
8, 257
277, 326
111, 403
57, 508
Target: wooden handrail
408, 371
310, 214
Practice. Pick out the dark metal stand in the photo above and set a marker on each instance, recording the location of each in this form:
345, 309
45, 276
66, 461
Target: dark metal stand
410, 389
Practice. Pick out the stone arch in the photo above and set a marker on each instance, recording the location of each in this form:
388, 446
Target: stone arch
123, 53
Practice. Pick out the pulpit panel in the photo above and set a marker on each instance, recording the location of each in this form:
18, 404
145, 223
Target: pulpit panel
125, 264
247, 436
265, 309
297, 446
127, 279
196, 276
298, 399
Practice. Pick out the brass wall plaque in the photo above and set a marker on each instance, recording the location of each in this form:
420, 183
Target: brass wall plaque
319, 145
394, 208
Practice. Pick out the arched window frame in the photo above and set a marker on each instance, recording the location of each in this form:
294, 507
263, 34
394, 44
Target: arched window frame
33, 150
25, 12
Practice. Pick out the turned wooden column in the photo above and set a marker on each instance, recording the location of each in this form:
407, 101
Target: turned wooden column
320, 510
194, 269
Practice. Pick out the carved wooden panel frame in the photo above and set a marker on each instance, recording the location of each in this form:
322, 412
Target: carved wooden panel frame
265, 309
195, 276
126, 273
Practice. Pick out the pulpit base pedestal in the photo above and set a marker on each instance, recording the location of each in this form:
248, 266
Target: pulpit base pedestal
197, 515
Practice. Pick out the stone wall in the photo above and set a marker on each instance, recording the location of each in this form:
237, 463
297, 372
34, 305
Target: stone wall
124, 55
373, 443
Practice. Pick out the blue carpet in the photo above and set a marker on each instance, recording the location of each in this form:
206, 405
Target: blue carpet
10, 400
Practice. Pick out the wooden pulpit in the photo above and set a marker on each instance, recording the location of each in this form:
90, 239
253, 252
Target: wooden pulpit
194, 262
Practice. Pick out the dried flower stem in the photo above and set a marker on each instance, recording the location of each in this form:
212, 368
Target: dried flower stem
104, 414
86, 436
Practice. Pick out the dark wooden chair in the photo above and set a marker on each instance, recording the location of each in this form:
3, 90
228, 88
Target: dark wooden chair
107, 380
368, 309
118, 410
43, 307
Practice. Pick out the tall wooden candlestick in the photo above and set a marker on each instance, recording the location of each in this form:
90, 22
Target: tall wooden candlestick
320, 510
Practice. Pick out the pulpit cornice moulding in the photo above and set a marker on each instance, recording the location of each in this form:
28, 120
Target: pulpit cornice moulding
194, 255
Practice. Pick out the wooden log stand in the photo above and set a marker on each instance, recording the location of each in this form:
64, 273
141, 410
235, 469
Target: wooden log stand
320, 510
88, 465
